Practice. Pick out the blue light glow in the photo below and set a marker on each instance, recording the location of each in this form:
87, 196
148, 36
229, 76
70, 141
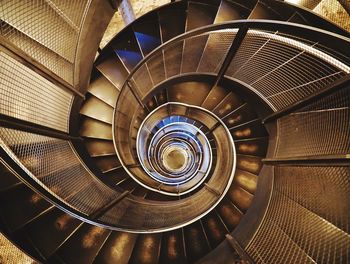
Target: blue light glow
130, 58
147, 42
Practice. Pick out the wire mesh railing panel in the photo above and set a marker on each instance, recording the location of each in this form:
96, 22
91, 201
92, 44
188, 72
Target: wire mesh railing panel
257, 56
12, 254
43, 55
266, 248
156, 67
285, 98
306, 186
283, 69
92, 197
311, 130
329, 9
173, 58
313, 133
71, 11
215, 51
337, 100
39, 21
52, 164
192, 52
143, 215
114, 214
46, 30
299, 222
28, 96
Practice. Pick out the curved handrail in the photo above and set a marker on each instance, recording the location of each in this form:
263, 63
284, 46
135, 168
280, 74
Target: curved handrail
300, 31
303, 30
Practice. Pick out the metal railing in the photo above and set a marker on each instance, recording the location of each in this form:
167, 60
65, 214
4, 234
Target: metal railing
134, 214
46, 31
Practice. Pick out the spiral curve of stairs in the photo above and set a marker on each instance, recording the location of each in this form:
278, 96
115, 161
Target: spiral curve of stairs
203, 130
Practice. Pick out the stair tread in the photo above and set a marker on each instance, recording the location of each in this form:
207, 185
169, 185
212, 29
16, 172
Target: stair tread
227, 12
56, 223
172, 250
127, 49
228, 105
240, 115
229, 213
93, 128
252, 146
147, 249
261, 11
87, 241
193, 93
246, 180
97, 109
195, 241
107, 163
104, 90
250, 129
249, 163
166, 16
20, 205
98, 147
147, 33
240, 197
199, 15
214, 228
114, 70
117, 249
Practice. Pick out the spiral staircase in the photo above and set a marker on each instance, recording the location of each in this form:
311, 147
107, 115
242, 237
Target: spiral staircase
205, 131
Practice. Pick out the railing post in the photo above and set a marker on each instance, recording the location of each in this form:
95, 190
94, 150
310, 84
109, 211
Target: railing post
236, 43
238, 249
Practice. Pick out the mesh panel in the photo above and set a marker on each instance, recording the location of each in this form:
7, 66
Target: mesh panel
192, 52
311, 130
292, 218
334, 11
9, 253
215, 51
283, 69
204, 53
143, 80
40, 53
39, 21
330, 9
71, 11
144, 215
266, 247
52, 163
47, 30
313, 133
339, 99
306, 186
156, 69
28, 96
172, 59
